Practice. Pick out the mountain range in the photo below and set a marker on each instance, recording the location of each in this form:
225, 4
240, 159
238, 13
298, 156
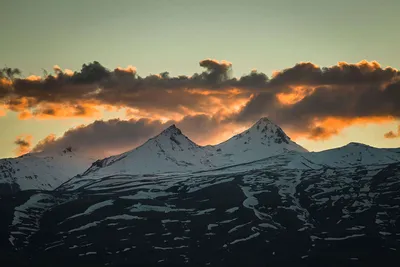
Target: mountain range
173, 152
257, 199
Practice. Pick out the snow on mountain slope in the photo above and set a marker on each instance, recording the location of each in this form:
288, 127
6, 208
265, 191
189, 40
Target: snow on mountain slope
352, 154
263, 139
170, 151
41, 170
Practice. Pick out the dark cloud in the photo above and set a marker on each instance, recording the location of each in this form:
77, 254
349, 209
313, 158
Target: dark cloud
97, 85
9, 73
307, 73
253, 80
345, 102
216, 71
257, 107
104, 138
344, 91
391, 134
24, 143
321, 133
204, 129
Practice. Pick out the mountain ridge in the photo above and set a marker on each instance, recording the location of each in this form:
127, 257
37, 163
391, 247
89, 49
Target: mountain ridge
185, 155
173, 152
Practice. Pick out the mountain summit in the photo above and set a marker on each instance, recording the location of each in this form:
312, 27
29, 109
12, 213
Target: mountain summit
169, 151
171, 130
263, 139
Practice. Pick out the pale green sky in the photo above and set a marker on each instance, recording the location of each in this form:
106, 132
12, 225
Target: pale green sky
174, 35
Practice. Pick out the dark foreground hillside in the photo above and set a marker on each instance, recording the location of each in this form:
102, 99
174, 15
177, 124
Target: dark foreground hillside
249, 216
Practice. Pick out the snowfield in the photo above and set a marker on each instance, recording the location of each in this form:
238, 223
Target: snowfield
43, 171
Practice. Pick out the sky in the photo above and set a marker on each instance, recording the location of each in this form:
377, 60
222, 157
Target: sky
237, 37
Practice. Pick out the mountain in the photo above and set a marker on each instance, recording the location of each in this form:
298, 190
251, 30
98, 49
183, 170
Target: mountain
352, 154
42, 170
172, 151
257, 199
263, 139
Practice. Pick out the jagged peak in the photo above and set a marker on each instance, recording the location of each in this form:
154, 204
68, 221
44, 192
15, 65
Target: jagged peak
171, 130
265, 128
264, 120
175, 135
265, 125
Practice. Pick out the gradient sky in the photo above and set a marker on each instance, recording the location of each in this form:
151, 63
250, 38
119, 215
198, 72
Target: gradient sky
157, 36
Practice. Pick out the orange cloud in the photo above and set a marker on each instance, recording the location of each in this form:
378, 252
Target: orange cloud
24, 115
3, 111
129, 69
34, 78
391, 134
24, 143
60, 111
5, 82
58, 69
296, 94
364, 65
328, 127
20, 104
68, 72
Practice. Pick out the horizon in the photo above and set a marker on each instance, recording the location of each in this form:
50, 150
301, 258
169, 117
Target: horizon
107, 77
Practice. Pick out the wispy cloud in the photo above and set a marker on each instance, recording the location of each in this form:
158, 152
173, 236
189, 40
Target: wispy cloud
391, 134
24, 143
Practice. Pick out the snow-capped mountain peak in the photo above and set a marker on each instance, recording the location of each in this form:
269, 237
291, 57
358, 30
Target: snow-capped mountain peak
263, 139
169, 151
172, 130
269, 129
171, 139
172, 151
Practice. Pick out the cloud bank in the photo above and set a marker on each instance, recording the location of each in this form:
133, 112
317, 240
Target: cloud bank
105, 138
307, 100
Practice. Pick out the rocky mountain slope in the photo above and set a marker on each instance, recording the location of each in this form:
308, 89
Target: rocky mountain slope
263, 139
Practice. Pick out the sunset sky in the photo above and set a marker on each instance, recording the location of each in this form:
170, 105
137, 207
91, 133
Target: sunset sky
326, 71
